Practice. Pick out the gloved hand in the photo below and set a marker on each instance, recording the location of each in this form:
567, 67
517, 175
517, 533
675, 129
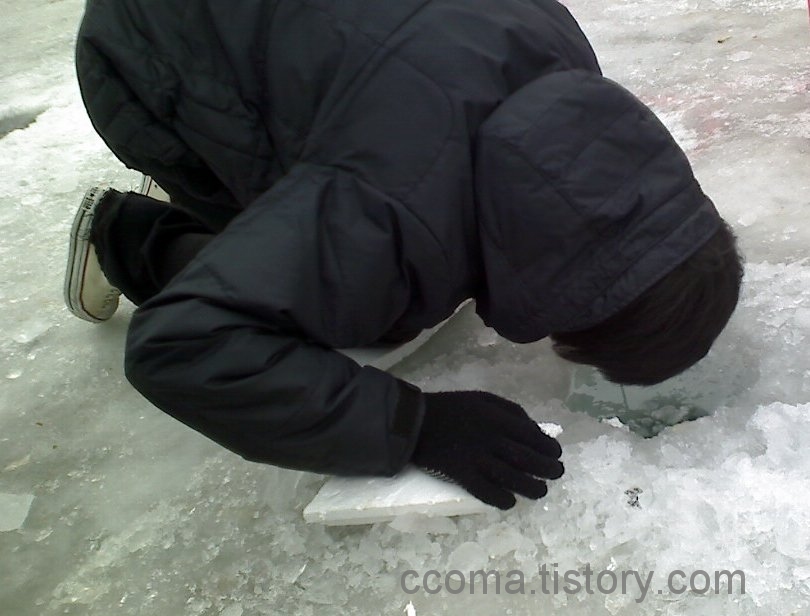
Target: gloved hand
486, 444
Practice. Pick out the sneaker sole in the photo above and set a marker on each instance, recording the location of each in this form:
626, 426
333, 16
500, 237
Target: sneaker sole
78, 255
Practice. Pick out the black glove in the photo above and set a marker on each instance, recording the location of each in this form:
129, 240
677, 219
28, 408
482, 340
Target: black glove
486, 444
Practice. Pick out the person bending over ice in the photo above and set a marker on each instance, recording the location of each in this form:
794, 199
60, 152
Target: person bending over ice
347, 172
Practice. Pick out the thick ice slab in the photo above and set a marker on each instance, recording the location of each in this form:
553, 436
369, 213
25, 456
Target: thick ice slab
346, 501
386, 356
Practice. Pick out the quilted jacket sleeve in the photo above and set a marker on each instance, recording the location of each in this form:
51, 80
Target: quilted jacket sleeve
239, 345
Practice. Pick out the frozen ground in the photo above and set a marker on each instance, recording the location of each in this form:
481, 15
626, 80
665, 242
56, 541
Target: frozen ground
134, 514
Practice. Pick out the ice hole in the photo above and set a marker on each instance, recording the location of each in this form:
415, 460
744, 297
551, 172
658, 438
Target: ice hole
716, 381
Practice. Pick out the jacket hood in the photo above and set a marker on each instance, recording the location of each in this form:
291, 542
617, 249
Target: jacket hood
584, 201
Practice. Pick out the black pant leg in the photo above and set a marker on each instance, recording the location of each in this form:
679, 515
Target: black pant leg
142, 243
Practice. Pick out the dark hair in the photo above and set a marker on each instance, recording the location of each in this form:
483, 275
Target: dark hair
671, 326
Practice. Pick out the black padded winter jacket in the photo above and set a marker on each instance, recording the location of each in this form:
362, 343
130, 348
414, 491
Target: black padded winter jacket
371, 164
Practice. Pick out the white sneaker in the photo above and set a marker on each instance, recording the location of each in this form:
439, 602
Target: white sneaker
88, 294
150, 188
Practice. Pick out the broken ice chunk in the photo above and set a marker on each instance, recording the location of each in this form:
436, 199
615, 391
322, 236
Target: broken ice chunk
469, 556
552, 429
14, 509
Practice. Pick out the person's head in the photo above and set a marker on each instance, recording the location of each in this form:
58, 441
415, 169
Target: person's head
671, 326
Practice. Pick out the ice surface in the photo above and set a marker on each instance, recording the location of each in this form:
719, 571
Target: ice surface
136, 514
